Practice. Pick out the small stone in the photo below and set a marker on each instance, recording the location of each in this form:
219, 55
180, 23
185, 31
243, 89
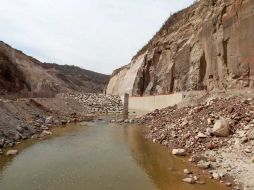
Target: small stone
247, 150
186, 171
216, 176
49, 120
195, 178
179, 152
64, 122
189, 180
228, 184
35, 136
12, 152
203, 165
210, 146
212, 159
131, 121
19, 129
201, 135
45, 133
200, 182
120, 120
126, 121
210, 121
244, 140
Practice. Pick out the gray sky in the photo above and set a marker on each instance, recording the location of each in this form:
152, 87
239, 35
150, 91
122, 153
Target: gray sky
99, 35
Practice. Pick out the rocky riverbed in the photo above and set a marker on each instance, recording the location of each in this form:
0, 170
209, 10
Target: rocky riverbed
23, 119
218, 135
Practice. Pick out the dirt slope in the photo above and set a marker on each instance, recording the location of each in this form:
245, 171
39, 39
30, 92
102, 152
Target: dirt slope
24, 76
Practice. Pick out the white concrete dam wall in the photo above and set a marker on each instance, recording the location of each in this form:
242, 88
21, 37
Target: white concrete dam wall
150, 103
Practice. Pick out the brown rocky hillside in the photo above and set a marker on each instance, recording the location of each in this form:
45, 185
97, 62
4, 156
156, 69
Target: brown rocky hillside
24, 76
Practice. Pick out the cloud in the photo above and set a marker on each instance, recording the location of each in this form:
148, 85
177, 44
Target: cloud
99, 35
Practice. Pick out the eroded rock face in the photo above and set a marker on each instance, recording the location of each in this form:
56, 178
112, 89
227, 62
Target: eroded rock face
207, 46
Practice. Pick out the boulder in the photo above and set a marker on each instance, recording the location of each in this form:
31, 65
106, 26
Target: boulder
221, 128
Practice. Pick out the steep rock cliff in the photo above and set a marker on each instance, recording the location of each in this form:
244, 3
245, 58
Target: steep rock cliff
207, 46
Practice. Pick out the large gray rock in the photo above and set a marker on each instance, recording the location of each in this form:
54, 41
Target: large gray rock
221, 128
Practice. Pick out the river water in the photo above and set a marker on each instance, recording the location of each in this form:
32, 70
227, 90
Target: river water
98, 156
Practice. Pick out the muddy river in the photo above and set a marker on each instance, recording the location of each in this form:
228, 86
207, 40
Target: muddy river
98, 156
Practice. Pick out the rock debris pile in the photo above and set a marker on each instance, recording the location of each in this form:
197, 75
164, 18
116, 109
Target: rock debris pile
202, 127
98, 103
219, 135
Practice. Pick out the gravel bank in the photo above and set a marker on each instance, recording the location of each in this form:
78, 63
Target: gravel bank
218, 135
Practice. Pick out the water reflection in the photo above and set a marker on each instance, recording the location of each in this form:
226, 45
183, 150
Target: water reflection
165, 170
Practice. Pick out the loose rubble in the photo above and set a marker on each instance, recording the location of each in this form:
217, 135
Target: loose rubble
218, 134
98, 103
200, 127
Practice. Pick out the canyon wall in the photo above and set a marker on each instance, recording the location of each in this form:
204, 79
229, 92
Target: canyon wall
207, 46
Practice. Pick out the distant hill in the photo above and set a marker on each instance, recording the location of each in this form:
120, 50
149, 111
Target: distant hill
25, 76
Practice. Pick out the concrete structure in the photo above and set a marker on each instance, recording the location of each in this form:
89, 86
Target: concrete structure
150, 103
126, 106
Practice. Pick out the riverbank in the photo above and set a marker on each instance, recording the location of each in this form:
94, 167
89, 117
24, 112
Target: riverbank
34, 118
190, 128
72, 157
218, 135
